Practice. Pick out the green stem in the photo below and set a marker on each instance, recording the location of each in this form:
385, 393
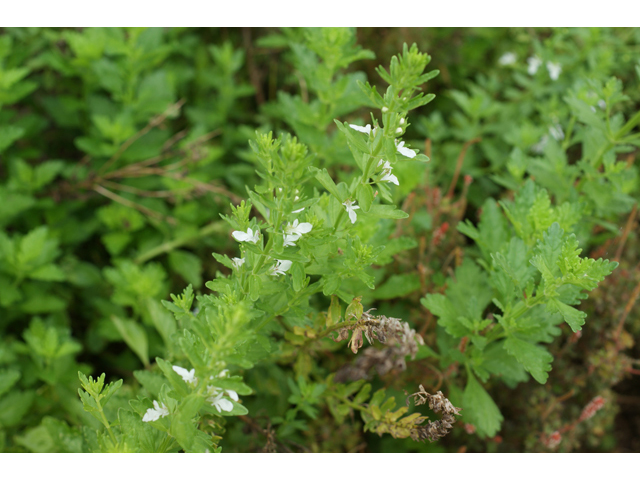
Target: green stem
214, 227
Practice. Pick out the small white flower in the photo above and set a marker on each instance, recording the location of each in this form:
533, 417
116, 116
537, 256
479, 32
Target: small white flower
556, 132
539, 147
298, 211
554, 70
187, 375
366, 129
290, 240
602, 104
402, 121
281, 267
387, 175
398, 130
156, 412
217, 399
534, 64
249, 236
351, 208
298, 228
385, 109
237, 262
508, 58
402, 150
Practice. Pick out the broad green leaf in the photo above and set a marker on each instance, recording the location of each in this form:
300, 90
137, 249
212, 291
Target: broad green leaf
535, 359
479, 409
134, 336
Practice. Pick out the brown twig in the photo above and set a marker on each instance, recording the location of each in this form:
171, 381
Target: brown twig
625, 233
154, 122
625, 313
147, 211
254, 75
459, 162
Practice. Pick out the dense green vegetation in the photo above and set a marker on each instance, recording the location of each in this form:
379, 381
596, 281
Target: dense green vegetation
178, 205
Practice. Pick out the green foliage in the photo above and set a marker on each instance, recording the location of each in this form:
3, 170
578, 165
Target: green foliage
129, 155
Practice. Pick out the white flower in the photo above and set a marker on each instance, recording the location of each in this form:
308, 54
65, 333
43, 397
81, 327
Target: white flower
298, 228
398, 130
298, 211
249, 236
237, 262
508, 58
351, 210
155, 413
539, 147
387, 175
187, 375
289, 240
385, 109
281, 267
218, 401
402, 121
534, 64
405, 151
365, 129
602, 104
556, 132
554, 70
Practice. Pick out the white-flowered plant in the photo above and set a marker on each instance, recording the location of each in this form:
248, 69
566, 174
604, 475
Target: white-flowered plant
366, 129
508, 58
534, 64
407, 152
351, 208
218, 401
187, 375
554, 70
158, 411
387, 176
280, 267
248, 236
237, 262
297, 228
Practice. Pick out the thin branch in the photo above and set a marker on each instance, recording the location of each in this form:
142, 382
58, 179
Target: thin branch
625, 313
459, 162
154, 122
147, 211
625, 233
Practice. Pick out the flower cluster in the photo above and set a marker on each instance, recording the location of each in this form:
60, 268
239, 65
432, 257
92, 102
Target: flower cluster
554, 69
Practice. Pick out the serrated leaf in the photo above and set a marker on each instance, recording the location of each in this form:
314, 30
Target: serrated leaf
479, 409
387, 211
575, 318
535, 359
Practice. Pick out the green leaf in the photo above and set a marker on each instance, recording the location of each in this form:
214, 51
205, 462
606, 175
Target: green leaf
574, 317
8, 135
8, 378
398, 286
187, 265
535, 359
334, 314
327, 182
14, 406
134, 336
479, 409
162, 319
387, 211
364, 196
